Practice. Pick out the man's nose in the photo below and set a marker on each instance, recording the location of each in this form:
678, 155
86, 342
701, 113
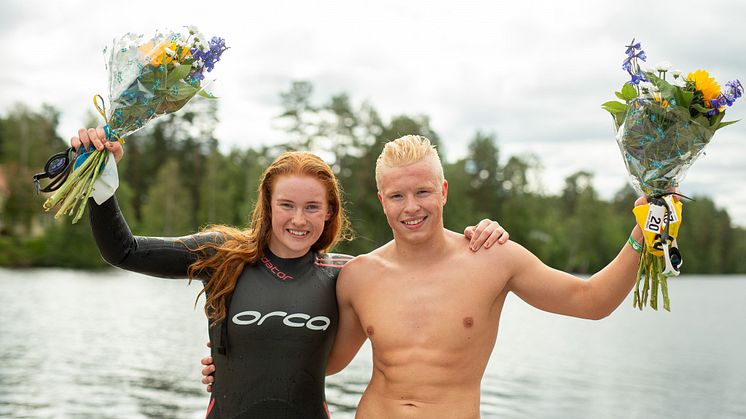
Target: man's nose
411, 205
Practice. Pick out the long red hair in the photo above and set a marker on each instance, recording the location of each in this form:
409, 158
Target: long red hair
226, 258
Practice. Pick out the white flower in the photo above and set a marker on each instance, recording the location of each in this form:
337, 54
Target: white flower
647, 88
676, 73
192, 29
679, 82
663, 66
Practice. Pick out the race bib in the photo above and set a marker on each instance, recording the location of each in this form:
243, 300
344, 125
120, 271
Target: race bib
652, 219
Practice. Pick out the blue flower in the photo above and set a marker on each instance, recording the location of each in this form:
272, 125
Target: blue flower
212, 55
632, 47
734, 89
634, 52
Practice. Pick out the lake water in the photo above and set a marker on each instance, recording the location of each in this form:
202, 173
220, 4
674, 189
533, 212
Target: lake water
119, 345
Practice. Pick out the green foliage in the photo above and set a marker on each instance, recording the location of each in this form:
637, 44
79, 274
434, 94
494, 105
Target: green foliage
174, 179
167, 211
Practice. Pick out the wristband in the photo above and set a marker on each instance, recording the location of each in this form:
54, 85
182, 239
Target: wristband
636, 246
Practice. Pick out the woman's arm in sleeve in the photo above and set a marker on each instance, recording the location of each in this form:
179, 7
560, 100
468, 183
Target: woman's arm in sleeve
165, 257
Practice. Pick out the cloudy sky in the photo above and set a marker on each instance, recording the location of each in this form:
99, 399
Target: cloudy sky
532, 72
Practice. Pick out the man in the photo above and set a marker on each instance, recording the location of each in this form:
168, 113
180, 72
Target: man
431, 308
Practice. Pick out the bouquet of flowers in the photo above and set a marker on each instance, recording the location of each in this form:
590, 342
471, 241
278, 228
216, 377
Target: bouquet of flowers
663, 125
148, 78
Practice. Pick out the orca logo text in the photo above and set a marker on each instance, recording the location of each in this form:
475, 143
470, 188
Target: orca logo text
249, 317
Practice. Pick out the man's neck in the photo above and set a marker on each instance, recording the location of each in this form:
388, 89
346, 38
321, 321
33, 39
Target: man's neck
432, 248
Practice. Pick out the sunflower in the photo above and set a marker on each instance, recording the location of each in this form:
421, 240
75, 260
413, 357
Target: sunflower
707, 85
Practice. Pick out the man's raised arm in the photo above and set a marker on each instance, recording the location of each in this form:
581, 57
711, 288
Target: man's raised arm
562, 293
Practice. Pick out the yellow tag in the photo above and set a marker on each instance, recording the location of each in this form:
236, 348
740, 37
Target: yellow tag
651, 218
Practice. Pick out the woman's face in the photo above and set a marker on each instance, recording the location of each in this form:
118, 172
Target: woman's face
299, 211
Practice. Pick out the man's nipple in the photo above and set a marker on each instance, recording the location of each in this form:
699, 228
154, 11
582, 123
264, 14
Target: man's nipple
468, 322
369, 331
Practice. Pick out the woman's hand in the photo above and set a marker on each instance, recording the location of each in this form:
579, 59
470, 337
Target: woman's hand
485, 234
96, 137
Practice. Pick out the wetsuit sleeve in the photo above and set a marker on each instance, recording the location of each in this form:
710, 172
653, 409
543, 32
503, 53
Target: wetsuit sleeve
165, 257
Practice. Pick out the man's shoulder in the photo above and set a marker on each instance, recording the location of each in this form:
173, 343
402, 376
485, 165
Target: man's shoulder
363, 262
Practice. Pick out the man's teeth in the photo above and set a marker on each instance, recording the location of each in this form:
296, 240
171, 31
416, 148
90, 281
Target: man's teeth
413, 222
299, 233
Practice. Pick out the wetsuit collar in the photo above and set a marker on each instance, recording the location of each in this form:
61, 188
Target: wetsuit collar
286, 269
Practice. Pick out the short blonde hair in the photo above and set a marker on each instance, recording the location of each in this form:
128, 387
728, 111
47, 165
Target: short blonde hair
407, 150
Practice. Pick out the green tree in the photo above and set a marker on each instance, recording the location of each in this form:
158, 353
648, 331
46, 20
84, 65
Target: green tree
485, 189
167, 210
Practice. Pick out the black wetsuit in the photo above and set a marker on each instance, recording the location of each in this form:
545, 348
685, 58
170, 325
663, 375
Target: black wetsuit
282, 318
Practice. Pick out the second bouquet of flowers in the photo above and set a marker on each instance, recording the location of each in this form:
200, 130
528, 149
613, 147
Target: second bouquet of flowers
663, 126
148, 78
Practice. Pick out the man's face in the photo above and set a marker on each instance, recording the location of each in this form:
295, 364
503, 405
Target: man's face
413, 198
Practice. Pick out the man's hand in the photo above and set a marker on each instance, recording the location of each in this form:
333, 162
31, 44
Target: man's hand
208, 370
96, 137
486, 233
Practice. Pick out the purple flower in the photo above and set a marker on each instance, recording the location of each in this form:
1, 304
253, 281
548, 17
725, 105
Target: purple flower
212, 55
632, 47
734, 89
630, 65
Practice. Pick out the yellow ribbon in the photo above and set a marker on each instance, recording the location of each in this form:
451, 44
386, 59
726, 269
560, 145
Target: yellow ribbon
110, 133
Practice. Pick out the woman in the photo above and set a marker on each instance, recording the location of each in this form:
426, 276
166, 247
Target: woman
270, 290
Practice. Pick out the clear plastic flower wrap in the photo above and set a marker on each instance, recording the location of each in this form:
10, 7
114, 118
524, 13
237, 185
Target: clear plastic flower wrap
659, 144
148, 77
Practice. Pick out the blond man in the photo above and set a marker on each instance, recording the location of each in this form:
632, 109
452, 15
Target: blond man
431, 307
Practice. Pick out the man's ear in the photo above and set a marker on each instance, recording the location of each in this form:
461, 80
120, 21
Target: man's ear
380, 199
444, 190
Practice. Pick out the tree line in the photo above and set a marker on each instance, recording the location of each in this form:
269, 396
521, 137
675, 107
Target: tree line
174, 179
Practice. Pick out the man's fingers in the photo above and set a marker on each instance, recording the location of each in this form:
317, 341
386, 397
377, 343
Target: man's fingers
207, 371
207, 377
206, 360
75, 142
209, 388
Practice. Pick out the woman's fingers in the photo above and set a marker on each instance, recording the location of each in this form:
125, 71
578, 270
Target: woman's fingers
95, 140
75, 142
83, 136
